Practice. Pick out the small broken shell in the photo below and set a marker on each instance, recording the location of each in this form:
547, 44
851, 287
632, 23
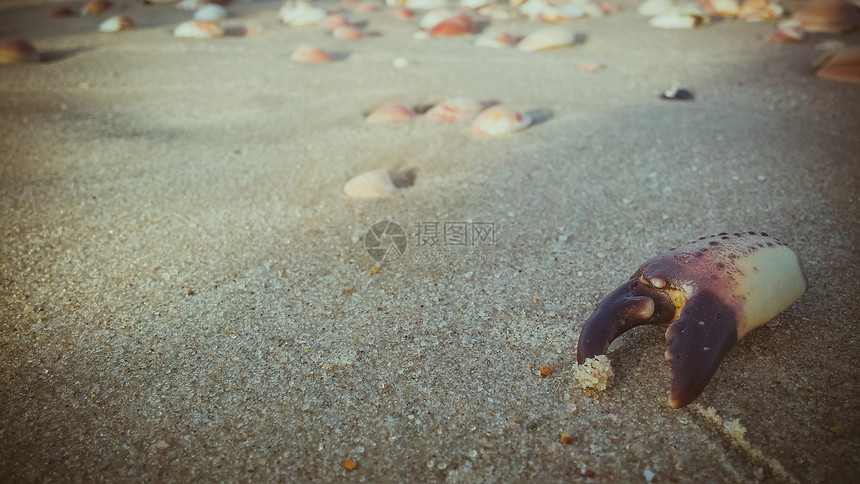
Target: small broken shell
720, 8
787, 32
366, 8
210, 11
828, 16
64, 11
499, 121
97, 7
17, 51
452, 110
650, 8
310, 54
300, 14
687, 16
372, 184
547, 38
433, 17
453, 27
117, 23
844, 66
390, 112
496, 41
347, 32
403, 14
333, 21
760, 10
199, 29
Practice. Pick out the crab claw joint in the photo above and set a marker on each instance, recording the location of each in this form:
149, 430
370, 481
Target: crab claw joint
710, 292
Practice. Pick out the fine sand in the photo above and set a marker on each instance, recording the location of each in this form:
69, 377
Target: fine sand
185, 293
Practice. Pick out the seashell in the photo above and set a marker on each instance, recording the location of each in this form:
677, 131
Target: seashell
589, 67
651, 8
544, 11
496, 41
594, 9
310, 54
64, 11
499, 121
97, 7
677, 94
844, 66
403, 14
117, 23
433, 17
210, 11
423, 4
301, 14
546, 39
760, 10
372, 184
452, 110
687, 16
475, 4
787, 32
347, 32
366, 8
453, 27
829, 16
17, 51
199, 29
720, 8
333, 21
390, 112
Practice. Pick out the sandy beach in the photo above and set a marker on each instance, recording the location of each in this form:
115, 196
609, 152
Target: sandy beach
186, 294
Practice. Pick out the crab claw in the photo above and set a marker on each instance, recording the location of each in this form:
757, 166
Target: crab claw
710, 292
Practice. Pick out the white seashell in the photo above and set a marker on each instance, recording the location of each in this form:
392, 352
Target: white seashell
546, 39
476, 4
300, 14
499, 121
433, 17
687, 16
495, 41
651, 8
116, 23
210, 11
199, 29
372, 184
452, 110
722, 8
590, 7
189, 5
423, 4
551, 12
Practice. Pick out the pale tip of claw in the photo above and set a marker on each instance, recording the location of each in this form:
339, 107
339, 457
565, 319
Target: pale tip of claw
594, 373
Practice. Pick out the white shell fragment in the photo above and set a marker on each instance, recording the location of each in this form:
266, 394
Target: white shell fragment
499, 121
116, 23
434, 17
546, 39
210, 11
199, 29
496, 41
452, 110
301, 14
687, 16
372, 184
650, 8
